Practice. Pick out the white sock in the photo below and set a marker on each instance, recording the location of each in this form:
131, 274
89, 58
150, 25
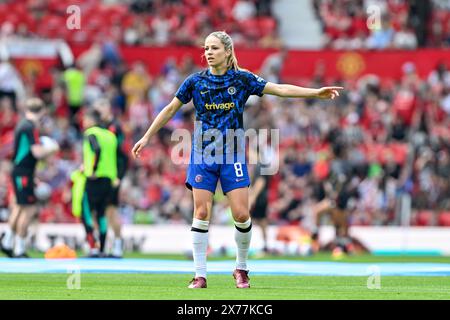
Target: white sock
117, 247
19, 246
8, 239
242, 242
199, 233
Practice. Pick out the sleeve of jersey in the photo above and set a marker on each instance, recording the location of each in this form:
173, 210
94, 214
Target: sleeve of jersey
184, 93
255, 84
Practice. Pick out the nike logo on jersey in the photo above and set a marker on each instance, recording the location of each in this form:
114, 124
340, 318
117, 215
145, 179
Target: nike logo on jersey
239, 180
203, 92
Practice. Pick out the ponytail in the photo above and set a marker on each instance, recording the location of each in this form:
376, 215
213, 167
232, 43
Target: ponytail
233, 62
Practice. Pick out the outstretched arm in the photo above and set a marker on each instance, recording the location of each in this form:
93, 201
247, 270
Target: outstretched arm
291, 91
161, 119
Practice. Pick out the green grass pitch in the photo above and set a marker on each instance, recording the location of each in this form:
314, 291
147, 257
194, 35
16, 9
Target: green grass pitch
321, 256
174, 287
139, 286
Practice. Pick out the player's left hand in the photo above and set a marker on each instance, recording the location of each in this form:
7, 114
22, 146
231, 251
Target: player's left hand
328, 92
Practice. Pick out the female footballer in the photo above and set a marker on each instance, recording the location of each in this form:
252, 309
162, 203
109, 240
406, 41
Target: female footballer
219, 95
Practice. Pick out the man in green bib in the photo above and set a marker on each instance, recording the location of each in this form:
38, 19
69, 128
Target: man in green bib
74, 84
110, 122
100, 170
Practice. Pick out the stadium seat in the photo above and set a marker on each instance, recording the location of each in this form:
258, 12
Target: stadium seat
266, 25
96, 15
77, 36
222, 4
12, 18
127, 20
27, 20
444, 219
118, 9
251, 28
424, 218
192, 3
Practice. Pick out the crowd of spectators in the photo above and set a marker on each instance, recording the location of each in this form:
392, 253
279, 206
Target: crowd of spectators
142, 22
391, 24
389, 138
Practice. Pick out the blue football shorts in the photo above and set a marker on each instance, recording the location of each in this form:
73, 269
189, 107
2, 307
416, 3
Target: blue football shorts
232, 175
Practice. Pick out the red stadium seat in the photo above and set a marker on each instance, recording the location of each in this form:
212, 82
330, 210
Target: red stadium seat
192, 3
77, 36
55, 22
251, 28
19, 10
267, 25
127, 20
444, 219
52, 5
118, 9
222, 4
65, 33
52, 33
17, 7
12, 18
424, 218
27, 19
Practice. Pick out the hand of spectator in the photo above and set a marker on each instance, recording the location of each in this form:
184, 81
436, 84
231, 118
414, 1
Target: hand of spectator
328, 92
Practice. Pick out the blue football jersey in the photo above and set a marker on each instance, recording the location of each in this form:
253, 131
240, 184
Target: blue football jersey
219, 103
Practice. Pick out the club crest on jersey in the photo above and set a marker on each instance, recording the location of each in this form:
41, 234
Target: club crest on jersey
231, 90
198, 178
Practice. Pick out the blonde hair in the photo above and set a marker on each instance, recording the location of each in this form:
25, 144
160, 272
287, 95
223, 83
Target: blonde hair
227, 42
34, 104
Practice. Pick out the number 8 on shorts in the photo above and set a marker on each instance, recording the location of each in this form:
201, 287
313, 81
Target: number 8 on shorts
238, 169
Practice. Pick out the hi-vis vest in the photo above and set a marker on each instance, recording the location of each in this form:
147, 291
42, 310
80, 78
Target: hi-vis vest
107, 164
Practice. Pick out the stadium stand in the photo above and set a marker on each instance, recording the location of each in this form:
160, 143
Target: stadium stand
141, 22
404, 24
